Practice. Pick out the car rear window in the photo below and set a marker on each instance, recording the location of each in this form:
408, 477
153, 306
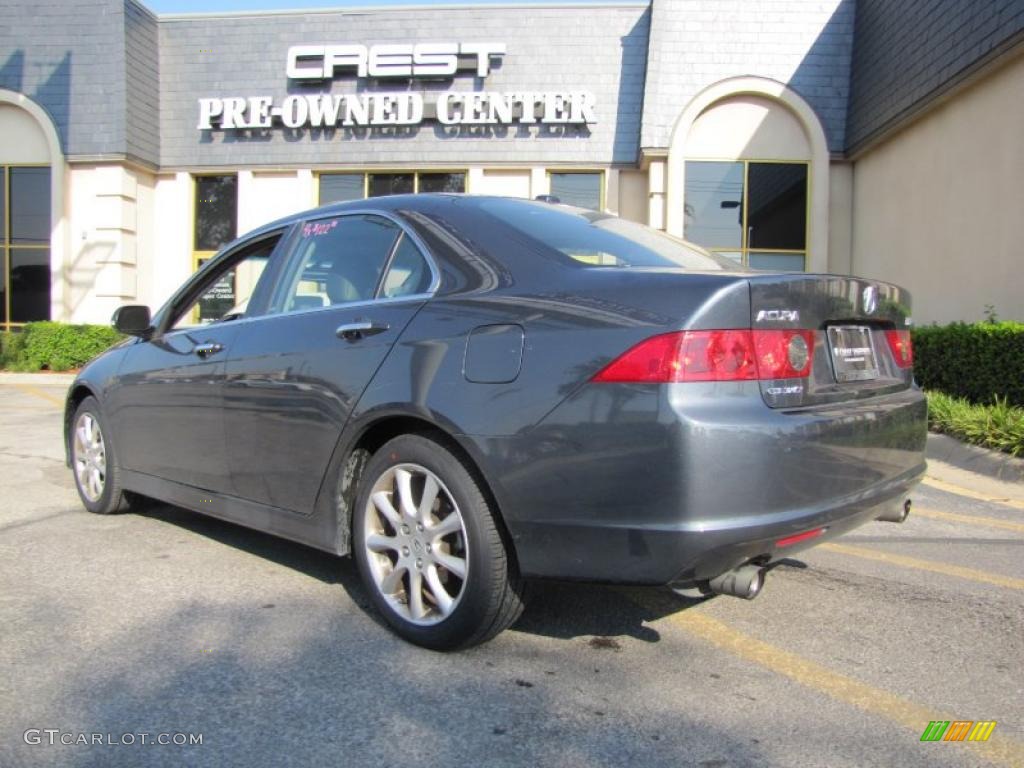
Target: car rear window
593, 239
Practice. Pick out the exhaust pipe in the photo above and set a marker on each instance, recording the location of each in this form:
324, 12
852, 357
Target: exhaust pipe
745, 581
897, 514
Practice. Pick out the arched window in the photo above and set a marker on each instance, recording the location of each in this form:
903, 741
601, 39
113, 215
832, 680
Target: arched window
748, 176
746, 183
26, 212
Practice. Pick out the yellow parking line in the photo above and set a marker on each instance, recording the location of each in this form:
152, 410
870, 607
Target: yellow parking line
991, 522
29, 389
959, 490
924, 565
874, 701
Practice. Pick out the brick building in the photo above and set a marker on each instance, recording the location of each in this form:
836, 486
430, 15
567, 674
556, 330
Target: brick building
851, 136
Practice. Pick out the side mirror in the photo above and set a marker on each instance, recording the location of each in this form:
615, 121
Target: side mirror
134, 320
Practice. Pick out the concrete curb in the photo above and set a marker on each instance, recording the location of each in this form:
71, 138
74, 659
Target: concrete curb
1000, 466
37, 379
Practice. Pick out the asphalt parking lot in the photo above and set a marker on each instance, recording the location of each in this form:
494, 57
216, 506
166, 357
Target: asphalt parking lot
170, 623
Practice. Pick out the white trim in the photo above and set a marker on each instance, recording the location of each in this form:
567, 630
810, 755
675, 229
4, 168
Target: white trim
59, 268
817, 238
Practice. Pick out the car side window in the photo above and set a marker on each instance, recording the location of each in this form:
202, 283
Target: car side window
340, 261
229, 290
408, 274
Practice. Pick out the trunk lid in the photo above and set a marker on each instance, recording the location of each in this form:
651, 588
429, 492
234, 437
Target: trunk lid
851, 357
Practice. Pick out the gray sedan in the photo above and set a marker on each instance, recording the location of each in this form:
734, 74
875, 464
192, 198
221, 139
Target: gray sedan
467, 392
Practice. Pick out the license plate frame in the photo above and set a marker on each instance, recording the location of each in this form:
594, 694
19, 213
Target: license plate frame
852, 351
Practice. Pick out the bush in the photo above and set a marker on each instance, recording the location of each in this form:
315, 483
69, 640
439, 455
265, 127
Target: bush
54, 346
999, 426
978, 362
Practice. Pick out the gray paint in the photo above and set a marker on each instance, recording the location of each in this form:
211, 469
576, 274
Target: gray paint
906, 53
599, 49
644, 483
805, 44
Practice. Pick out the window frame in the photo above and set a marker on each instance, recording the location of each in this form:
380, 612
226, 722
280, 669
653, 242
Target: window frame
744, 248
214, 268
602, 182
7, 245
290, 264
367, 172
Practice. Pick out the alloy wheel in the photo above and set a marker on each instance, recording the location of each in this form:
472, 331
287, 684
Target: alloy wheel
415, 544
90, 457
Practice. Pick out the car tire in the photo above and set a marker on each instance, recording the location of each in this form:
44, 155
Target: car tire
93, 462
429, 548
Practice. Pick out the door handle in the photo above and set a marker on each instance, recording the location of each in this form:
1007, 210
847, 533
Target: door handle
208, 349
359, 329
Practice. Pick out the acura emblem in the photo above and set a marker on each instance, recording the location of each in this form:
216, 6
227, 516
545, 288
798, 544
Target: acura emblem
870, 299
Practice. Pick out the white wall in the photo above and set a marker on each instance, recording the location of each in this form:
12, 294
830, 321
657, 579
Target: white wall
507, 183
937, 208
633, 196
171, 253
23, 140
747, 126
840, 218
104, 223
264, 196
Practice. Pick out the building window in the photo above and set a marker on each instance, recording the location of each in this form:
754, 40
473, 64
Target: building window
441, 182
582, 189
341, 187
216, 215
752, 211
24, 244
381, 184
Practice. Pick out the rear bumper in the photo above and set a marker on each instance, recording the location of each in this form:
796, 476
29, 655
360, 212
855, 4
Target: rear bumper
646, 555
685, 482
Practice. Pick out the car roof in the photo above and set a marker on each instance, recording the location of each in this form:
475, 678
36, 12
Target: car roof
409, 202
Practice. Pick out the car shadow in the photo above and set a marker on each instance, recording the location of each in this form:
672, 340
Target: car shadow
560, 610
570, 610
322, 566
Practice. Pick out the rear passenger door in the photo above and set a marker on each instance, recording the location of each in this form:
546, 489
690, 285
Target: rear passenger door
351, 285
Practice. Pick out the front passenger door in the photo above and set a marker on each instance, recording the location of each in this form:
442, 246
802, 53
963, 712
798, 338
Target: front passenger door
352, 284
168, 401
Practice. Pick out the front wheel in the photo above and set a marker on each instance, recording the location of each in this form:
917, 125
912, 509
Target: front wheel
93, 462
429, 549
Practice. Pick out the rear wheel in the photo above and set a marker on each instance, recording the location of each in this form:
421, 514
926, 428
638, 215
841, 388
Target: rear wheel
93, 461
429, 549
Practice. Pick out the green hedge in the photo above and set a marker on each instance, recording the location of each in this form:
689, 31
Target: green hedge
54, 346
979, 362
998, 426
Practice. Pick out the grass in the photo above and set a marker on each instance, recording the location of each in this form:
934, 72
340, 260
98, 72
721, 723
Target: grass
998, 426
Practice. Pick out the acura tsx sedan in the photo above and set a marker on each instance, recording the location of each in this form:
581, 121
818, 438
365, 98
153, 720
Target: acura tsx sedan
467, 392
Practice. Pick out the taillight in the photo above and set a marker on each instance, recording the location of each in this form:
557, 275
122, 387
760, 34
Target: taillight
901, 347
784, 354
728, 355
